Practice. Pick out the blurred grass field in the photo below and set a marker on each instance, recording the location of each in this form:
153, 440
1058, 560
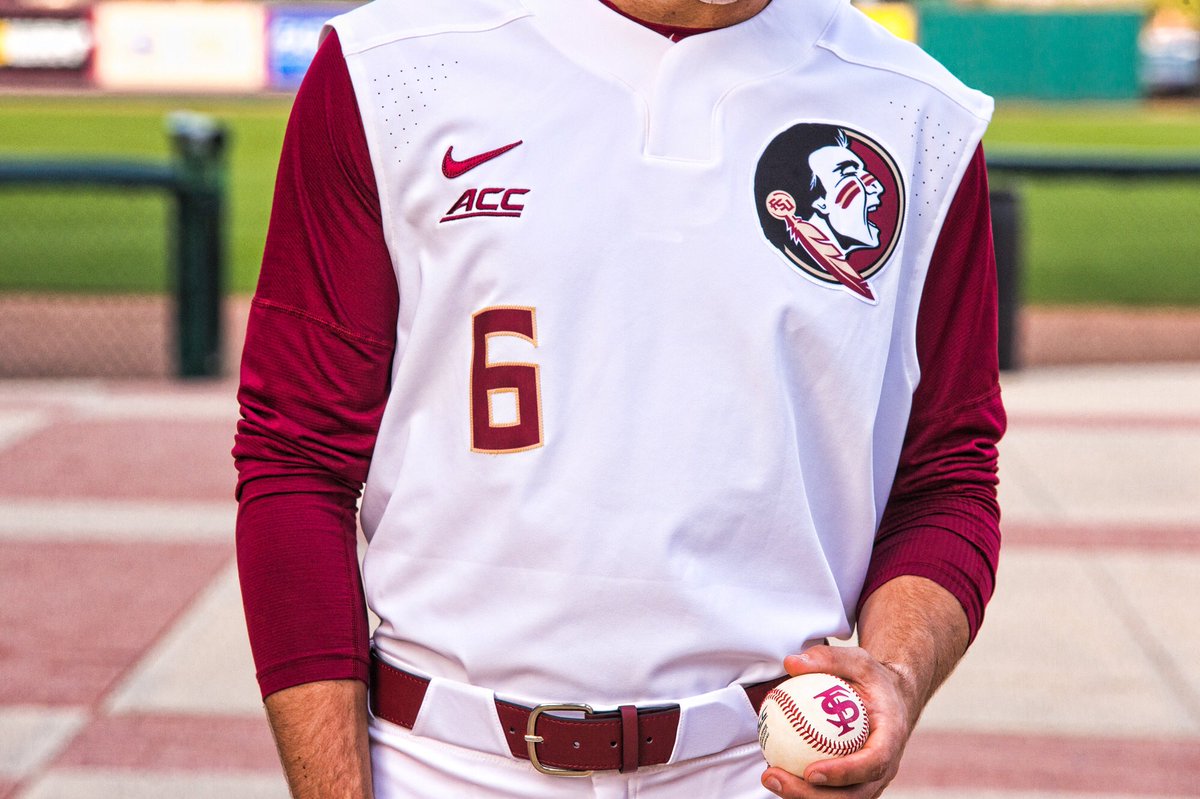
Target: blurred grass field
1088, 241
115, 240
1092, 241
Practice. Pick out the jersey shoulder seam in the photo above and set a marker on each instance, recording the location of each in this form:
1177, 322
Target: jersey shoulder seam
497, 17
960, 91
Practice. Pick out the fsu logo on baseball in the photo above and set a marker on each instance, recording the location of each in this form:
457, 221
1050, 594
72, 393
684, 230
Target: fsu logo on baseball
809, 718
831, 201
841, 709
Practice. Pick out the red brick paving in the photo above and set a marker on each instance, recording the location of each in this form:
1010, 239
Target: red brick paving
123, 459
1108, 536
174, 742
1018, 762
74, 617
1119, 422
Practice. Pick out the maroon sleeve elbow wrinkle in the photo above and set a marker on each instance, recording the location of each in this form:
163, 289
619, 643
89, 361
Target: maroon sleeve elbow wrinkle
942, 520
314, 381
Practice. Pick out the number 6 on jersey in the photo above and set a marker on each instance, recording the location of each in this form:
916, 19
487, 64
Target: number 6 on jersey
506, 397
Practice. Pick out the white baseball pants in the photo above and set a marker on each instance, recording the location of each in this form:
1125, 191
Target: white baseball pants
408, 766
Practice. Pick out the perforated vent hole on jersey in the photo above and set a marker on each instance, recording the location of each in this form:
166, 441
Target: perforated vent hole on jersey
941, 148
406, 96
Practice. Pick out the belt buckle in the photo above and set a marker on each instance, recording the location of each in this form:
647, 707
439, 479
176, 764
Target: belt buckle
532, 739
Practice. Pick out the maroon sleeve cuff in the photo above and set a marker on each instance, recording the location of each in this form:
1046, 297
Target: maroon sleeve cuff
943, 541
314, 669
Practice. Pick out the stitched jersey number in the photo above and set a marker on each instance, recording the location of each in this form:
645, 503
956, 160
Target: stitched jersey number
506, 397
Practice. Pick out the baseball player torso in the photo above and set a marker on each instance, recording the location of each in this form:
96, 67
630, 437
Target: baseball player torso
651, 381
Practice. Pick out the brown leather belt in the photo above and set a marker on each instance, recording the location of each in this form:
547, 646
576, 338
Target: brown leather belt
619, 740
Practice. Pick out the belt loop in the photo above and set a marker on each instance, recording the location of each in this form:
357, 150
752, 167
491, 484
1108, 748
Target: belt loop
630, 738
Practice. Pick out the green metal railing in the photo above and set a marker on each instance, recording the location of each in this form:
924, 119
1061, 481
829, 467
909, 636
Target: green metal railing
1090, 165
196, 178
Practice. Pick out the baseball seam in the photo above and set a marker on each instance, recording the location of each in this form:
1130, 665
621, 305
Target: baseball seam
814, 738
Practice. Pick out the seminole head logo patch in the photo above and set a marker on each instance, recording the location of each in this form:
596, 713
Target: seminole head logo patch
831, 201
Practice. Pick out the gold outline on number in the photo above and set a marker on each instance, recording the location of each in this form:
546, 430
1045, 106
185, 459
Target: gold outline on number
537, 378
491, 393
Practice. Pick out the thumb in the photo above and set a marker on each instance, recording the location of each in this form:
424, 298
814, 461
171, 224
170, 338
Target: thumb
812, 660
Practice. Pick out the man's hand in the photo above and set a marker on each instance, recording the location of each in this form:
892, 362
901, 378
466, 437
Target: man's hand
889, 714
321, 733
912, 632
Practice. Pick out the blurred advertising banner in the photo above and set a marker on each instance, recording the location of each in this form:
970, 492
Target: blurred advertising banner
30, 40
179, 46
293, 33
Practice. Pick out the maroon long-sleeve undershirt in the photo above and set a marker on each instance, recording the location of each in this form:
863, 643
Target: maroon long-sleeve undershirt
315, 372
315, 376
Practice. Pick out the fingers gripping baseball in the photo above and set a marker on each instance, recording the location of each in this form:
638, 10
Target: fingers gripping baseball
863, 774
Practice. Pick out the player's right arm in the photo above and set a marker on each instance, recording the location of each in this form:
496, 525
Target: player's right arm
321, 733
315, 376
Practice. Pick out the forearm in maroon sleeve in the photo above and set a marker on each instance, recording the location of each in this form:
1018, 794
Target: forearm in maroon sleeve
942, 520
314, 382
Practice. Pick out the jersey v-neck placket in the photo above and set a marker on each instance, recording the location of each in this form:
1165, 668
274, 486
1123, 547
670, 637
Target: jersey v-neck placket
682, 114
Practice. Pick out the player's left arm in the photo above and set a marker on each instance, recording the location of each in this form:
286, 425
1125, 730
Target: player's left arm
912, 632
933, 566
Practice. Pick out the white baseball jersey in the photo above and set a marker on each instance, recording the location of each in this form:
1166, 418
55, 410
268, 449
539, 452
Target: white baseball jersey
655, 352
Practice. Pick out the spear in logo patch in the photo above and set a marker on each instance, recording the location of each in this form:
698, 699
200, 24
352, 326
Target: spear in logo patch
823, 252
827, 255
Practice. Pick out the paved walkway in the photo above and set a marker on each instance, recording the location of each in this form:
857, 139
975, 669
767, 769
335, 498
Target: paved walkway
124, 669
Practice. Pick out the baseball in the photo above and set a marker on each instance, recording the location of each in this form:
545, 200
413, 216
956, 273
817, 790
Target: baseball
809, 718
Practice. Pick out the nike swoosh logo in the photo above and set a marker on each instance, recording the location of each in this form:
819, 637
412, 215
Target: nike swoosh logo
452, 168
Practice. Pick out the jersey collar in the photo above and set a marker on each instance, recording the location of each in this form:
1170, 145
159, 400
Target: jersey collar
682, 84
